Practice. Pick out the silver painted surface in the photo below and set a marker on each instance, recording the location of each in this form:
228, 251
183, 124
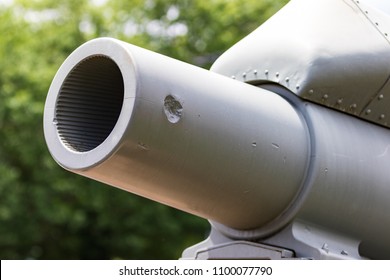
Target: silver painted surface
351, 192
186, 137
299, 240
219, 247
331, 52
348, 183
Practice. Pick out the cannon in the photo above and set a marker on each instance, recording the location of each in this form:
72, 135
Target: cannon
284, 145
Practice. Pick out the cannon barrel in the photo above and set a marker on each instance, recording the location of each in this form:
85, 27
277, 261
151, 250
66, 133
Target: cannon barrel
177, 134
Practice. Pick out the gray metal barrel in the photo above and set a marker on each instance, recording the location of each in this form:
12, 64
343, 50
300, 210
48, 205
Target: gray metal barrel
177, 134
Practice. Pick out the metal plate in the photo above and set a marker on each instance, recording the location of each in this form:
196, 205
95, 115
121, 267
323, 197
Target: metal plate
331, 52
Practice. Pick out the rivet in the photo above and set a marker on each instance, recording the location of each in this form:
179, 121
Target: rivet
255, 72
340, 101
382, 116
234, 77
287, 79
353, 106
311, 91
376, 23
368, 111
266, 72
325, 96
244, 75
277, 74
380, 97
297, 86
386, 34
345, 253
366, 12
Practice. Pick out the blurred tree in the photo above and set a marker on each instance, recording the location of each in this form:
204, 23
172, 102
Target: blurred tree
48, 213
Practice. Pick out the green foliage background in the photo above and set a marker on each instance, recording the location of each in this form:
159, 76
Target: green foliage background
48, 213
